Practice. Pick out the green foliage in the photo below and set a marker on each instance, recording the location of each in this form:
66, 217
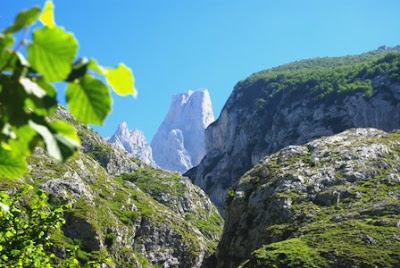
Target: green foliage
289, 253
52, 52
26, 224
229, 196
47, 17
10, 165
156, 182
86, 98
121, 79
23, 19
28, 99
321, 78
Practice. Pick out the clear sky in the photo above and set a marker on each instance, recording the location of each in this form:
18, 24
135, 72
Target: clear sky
173, 46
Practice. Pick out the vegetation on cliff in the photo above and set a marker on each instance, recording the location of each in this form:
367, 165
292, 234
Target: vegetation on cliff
333, 202
122, 212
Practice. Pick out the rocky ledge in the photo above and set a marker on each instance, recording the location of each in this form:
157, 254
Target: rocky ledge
334, 202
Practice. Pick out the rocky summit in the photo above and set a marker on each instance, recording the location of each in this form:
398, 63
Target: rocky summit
333, 202
179, 143
133, 142
293, 104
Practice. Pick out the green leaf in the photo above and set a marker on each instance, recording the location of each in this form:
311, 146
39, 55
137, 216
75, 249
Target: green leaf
41, 97
93, 65
79, 69
8, 59
88, 100
20, 145
23, 19
121, 79
66, 137
47, 16
6, 40
60, 138
12, 109
52, 52
11, 166
51, 144
9, 234
32, 88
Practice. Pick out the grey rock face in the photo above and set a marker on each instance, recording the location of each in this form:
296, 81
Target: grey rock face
115, 215
133, 142
288, 195
179, 143
250, 128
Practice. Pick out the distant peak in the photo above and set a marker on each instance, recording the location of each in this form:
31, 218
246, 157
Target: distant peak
133, 142
122, 129
384, 47
123, 124
183, 98
136, 132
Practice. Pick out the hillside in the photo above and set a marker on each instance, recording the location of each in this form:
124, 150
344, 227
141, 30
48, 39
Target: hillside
333, 202
121, 208
294, 104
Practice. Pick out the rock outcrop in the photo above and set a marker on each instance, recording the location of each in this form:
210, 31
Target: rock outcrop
135, 214
179, 143
333, 202
294, 104
133, 142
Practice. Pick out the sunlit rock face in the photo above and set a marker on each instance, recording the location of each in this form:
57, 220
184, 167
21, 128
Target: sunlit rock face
275, 108
133, 142
179, 143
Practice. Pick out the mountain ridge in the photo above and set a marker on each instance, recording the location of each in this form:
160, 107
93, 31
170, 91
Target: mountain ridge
292, 105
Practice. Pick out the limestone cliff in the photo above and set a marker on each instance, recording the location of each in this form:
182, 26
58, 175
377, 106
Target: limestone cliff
294, 104
333, 202
179, 143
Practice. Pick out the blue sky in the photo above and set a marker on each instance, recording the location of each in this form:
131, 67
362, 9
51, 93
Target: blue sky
173, 46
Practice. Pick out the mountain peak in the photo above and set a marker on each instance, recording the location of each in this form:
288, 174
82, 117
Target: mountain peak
133, 142
122, 130
179, 143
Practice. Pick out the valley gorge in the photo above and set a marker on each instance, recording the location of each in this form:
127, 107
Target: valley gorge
294, 104
301, 169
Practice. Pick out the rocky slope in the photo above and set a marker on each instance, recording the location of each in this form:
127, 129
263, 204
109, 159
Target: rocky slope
333, 202
294, 104
133, 142
179, 143
137, 215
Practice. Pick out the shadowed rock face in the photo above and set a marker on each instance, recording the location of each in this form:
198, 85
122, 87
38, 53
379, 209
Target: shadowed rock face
333, 202
179, 143
268, 111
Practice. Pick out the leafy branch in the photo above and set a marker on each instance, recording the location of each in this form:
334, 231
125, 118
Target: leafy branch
28, 97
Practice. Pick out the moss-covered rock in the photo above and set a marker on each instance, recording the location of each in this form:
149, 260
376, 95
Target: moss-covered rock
134, 214
334, 202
